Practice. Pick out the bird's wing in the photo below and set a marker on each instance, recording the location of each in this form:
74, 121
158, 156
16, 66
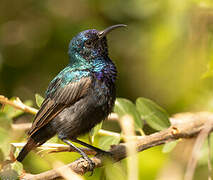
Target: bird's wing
58, 98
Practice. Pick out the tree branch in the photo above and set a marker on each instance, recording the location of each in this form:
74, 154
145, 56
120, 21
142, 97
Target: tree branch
184, 125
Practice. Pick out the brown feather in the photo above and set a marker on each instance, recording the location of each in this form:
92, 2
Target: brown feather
61, 99
31, 144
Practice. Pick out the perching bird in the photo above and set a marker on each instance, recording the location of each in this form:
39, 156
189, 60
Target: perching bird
79, 97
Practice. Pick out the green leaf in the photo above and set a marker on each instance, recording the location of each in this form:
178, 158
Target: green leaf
39, 99
106, 141
54, 139
155, 116
124, 107
168, 147
94, 132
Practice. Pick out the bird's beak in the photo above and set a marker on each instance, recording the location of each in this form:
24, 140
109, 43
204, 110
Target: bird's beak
104, 32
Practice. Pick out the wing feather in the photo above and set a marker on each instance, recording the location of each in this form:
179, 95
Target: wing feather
56, 101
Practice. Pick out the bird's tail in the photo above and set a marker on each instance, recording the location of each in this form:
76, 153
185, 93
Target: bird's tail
31, 144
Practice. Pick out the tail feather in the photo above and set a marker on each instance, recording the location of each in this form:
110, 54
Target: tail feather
31, 144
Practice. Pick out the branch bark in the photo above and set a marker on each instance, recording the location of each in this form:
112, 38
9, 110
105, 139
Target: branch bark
184, 125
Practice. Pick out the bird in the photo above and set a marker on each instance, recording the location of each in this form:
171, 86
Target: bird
79, 97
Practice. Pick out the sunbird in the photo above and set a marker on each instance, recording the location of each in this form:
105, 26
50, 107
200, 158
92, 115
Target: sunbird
79, 97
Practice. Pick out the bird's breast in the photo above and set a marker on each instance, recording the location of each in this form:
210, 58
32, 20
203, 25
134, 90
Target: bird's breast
107, 74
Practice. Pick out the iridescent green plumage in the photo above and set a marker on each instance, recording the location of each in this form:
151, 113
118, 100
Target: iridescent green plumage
80, 96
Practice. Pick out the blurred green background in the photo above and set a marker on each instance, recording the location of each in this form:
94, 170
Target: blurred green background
165, 54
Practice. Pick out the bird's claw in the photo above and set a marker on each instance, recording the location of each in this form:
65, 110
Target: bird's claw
91, 164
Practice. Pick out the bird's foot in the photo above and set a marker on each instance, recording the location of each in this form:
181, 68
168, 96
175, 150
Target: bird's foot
90, 163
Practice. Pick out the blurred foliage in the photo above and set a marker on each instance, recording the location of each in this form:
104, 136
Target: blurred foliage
165, 54
155, 116
125, 106
39, 100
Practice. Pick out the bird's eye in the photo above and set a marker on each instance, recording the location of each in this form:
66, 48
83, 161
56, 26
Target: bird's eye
88, 43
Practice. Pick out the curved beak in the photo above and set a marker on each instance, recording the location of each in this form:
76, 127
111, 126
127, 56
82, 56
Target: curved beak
104, 32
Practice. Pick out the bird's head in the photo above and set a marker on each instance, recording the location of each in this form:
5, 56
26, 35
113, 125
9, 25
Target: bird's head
90, 44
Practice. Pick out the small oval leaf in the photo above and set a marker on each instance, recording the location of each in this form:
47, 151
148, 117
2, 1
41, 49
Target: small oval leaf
153, 114
94, 132
39, 99
106, 141
124, 107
